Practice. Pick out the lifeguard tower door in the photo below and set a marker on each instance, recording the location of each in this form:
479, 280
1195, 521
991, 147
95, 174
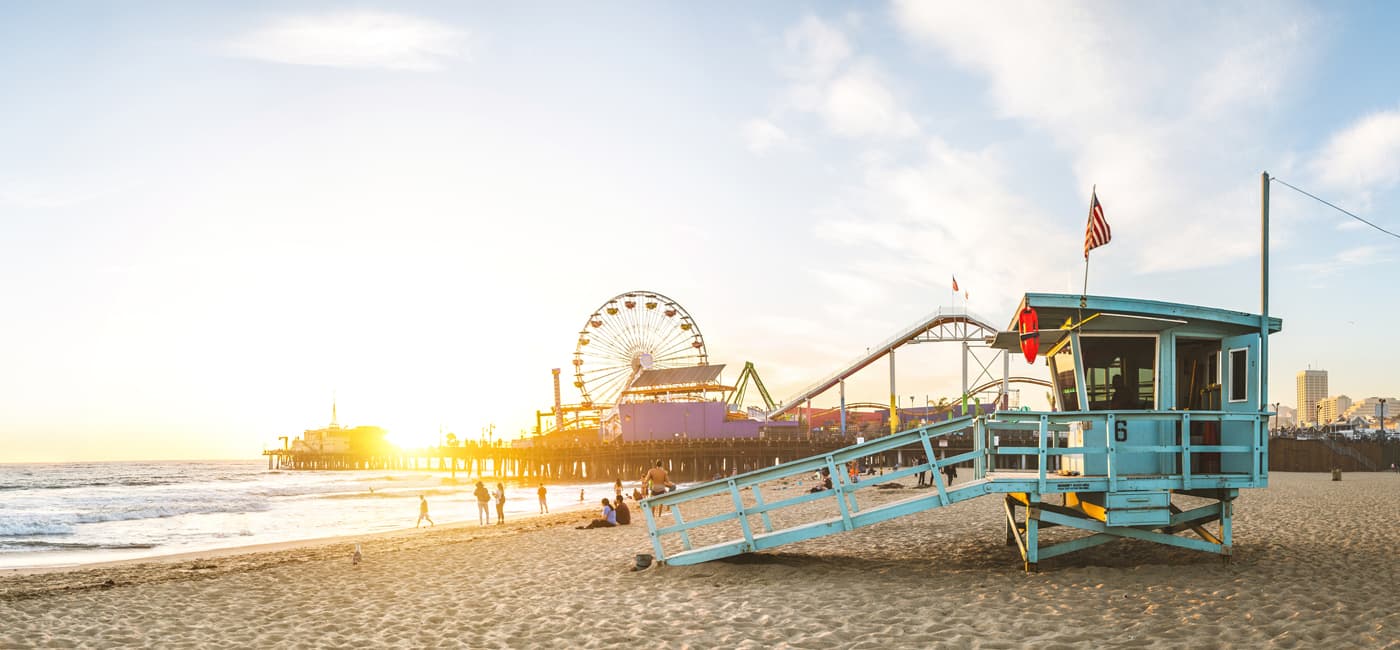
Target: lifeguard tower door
1239, 394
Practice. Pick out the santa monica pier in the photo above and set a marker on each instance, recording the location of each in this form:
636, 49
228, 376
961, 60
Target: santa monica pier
642, 386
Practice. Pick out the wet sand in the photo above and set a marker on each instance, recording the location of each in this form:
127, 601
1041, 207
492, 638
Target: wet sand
1317, 563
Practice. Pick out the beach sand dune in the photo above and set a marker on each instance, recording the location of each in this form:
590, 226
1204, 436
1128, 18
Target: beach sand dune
1317, 563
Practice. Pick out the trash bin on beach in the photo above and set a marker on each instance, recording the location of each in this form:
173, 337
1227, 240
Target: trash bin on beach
1336, 473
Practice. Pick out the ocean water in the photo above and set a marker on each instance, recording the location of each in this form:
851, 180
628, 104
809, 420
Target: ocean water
60, 514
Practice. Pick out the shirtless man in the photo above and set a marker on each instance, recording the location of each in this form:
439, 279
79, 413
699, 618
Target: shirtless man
657, 481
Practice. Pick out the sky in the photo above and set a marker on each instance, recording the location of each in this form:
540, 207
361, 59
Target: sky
215, 218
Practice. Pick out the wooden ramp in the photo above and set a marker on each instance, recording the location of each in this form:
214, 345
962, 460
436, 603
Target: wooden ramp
755, 517
774, 506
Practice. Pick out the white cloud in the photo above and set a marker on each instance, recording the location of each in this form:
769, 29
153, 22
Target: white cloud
858, 104
352, 39
1159, 107
1352, 257
1364, 156
848, 93
948, 214
817, 49
762, 136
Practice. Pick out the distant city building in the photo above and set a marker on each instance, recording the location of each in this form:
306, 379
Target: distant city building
1312, 388
1370, 408
1333, 408
1286, 418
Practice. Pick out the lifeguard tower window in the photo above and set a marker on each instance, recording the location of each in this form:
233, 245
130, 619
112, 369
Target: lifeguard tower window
1120, 372
1239, 360
1062, 372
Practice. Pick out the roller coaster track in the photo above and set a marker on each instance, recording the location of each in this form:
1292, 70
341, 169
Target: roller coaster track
942, 325
878, 406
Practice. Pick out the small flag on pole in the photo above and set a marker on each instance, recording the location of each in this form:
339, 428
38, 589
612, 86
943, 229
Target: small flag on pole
955, 283
1096, 233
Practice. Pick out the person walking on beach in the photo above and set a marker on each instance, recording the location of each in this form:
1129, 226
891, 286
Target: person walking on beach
544, 505
483, 504
608, 520
658, 482
500, 504
617, 489
951, 471
423, 512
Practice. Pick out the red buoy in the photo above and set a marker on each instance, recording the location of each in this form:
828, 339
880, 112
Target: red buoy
1029, 325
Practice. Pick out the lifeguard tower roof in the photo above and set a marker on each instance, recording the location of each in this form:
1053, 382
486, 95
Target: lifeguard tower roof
1061, 313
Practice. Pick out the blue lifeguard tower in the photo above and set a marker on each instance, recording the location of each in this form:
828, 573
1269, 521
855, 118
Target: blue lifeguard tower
1151, 400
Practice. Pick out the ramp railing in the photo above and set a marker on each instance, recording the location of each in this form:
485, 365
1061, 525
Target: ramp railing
763, 533
1051, 431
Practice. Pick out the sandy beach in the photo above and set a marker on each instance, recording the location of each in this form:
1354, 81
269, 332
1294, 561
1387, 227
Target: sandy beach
1315, 565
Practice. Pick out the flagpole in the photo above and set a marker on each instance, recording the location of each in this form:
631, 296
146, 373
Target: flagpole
1083, 295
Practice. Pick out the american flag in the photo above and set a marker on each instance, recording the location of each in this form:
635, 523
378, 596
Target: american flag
1096, 234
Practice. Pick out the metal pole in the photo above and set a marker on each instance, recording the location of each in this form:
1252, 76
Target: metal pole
1264, 291
964, 378
843, 408
1006, 380
894, 400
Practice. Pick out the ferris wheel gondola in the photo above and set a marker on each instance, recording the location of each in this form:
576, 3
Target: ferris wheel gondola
632, 332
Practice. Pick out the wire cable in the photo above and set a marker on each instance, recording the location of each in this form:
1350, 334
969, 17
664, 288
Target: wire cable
1332, 205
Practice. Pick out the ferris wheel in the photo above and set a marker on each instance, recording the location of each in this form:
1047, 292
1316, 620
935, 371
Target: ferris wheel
632, 332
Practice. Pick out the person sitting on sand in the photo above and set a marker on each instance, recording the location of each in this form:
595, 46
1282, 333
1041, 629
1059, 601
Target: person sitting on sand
609, 519
826, 481
544, 505
624, 514
483, 504
500, 504
423, 512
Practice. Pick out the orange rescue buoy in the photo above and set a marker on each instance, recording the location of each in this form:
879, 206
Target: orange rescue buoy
1029, 325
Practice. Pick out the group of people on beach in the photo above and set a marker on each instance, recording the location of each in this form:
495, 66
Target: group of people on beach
852, 471
950, 474
484, 498
483, 503
655, 482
